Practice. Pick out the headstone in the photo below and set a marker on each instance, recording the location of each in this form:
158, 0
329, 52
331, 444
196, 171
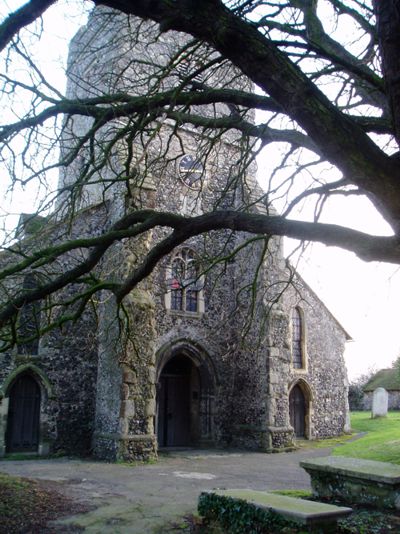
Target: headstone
380, 403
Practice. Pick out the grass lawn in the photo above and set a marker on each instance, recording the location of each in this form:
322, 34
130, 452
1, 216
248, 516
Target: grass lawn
382, 441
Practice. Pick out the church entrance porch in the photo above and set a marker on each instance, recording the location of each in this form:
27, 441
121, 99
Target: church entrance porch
185, 399
178, 403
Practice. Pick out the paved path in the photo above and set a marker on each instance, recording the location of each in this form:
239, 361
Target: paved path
143, 499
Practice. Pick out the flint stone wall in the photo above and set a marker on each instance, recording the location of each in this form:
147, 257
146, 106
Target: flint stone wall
325, 370
66, 364
243, 337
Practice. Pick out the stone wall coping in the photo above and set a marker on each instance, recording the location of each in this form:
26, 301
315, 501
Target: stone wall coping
292, 508
372, 470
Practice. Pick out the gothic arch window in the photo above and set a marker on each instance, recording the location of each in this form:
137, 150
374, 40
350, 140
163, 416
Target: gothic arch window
184, 283
298, 339
191, 70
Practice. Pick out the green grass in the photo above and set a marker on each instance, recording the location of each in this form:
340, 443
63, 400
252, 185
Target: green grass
382, 441
323, 443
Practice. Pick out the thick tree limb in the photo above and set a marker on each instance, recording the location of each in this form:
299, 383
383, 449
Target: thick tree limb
360, 160
261, 131
105, 109
317, 40
373, 90
24, 16
338, 137
367, 247
363, 22
388, 19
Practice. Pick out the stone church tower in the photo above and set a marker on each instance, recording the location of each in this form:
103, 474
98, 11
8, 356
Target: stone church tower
240, 355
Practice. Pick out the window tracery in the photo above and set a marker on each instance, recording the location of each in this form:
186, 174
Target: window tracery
185, 283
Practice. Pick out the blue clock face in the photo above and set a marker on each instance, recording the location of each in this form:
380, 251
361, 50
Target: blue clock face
191, 172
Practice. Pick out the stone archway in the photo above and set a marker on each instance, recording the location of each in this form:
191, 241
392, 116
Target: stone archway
23, 422
24, 403
185, 397
300, 409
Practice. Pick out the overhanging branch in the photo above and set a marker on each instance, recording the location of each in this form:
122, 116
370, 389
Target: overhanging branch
20, 18
367, 247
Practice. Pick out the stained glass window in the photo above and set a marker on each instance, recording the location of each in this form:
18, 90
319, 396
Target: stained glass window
184, 282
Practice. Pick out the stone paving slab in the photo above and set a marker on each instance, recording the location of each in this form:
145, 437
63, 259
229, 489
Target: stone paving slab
143, 499
298, 510
367, 469
355, 480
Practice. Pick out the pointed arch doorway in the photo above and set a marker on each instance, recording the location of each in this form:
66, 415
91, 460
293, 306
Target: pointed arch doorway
298, 411
22, 434
185, 398
178, 379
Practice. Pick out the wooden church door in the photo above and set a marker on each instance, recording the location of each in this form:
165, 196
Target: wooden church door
174, 412
297, 410
23, 416
174, 404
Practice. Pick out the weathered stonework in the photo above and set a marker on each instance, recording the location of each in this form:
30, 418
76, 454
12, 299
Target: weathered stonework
65, 369
114, 386
355, 481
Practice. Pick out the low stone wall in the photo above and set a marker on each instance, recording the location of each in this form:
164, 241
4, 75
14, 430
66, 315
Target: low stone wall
393, 400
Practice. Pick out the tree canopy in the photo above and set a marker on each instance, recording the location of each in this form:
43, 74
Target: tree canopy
328, 96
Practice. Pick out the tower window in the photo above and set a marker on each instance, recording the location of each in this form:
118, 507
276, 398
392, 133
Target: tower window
184, 283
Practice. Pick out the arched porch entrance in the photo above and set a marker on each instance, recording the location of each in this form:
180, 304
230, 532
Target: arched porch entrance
23, 423
185, 398
299, 410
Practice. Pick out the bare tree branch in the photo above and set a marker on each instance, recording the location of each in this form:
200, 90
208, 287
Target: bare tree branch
362, 161
113, 137
367, 247
21, 18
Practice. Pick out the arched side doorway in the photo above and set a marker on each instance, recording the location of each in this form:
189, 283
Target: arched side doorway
300, 410
23, 423
185, 398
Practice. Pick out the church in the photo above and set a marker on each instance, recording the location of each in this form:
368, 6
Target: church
223, 344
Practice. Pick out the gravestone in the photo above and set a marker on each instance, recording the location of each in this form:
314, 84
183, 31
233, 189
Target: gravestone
380, 403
